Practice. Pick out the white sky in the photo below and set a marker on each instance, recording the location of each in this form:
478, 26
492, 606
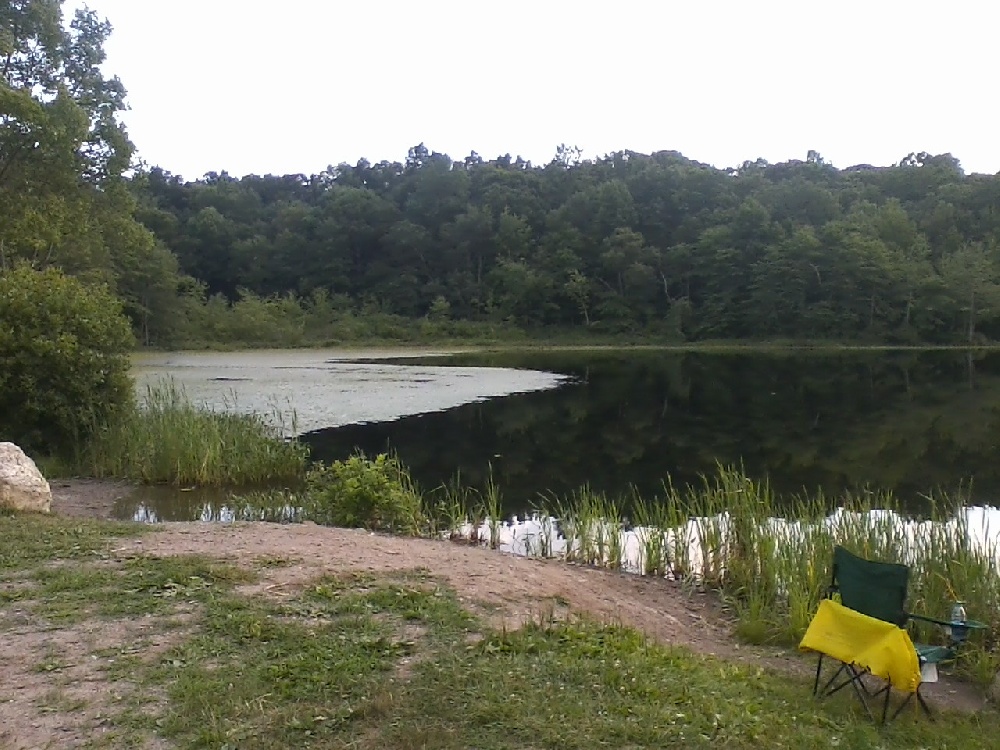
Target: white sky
292, 86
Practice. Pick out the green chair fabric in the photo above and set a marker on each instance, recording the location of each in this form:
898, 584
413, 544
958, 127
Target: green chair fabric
876, 589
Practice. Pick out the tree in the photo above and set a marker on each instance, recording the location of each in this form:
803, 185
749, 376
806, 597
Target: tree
65, 347
60, 140
972, 277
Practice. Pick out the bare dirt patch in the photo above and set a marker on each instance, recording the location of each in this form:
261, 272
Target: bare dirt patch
56, 691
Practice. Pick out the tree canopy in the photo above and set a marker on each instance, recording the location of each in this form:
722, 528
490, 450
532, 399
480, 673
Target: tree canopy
656, 244
628, 242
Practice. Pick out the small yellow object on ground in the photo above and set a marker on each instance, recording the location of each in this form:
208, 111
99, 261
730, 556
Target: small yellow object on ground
866, 642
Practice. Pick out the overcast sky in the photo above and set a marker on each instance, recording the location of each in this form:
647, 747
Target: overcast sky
293, 86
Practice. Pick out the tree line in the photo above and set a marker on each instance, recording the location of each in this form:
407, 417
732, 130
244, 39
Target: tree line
652, 244
627, 242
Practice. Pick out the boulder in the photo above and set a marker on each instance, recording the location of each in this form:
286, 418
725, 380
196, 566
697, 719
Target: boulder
22, 486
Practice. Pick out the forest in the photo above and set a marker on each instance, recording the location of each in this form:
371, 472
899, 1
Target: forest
629, 244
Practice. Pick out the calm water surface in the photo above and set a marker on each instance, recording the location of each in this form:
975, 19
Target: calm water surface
904, 421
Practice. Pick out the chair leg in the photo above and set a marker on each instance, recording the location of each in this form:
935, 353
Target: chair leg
923, 705
885, 704
855, 681
819, 666
861, 693
826, 690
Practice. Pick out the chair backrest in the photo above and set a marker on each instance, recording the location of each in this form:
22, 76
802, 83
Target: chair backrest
873, 588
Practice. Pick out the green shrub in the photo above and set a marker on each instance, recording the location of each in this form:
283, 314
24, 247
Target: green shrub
65, 350
375, 494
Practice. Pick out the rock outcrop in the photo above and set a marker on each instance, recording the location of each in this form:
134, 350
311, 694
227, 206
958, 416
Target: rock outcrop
22, 486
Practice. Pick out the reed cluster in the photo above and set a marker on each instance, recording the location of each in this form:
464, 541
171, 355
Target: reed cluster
772, 558
166, 438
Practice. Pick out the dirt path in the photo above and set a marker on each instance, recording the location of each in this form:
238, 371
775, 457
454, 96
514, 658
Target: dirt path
87, 498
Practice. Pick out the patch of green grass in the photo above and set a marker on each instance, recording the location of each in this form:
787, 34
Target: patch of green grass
307, 673
579, 685
344, 666
71, 593
29, 539
415, 597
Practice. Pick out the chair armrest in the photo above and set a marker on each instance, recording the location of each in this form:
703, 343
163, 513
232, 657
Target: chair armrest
933, 620
970, 624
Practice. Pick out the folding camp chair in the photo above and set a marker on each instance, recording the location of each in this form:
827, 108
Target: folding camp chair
866, 634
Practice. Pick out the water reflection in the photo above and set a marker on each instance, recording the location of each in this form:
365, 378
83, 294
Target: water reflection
902, 421
158, 504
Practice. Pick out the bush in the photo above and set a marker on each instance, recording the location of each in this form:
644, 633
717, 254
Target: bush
65, 349
375, 494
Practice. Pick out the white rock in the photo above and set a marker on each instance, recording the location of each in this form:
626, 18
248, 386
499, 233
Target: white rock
22, 486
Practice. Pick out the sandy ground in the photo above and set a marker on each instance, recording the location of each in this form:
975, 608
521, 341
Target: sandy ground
506, 589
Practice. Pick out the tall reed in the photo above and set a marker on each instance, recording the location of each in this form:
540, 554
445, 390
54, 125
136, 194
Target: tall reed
492, 510
168, 439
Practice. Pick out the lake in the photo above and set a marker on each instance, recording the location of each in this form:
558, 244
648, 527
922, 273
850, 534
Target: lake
907, 421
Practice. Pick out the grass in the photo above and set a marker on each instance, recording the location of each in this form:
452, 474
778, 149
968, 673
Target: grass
168, 439
394, 661
27, 540
772, 561
769, 558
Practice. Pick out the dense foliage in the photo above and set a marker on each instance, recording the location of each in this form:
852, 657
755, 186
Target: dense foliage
65, 350
657, 243
654, 244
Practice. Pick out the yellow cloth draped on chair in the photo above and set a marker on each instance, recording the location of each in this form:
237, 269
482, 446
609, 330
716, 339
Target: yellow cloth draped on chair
866, 642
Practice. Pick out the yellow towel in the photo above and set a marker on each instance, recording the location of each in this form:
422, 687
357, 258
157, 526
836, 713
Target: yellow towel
865, 642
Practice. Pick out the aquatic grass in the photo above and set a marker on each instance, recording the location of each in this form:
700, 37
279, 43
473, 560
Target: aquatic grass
448, 507
650, 521
492, 509
166, 438
546, 532
770, 558
773, 562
